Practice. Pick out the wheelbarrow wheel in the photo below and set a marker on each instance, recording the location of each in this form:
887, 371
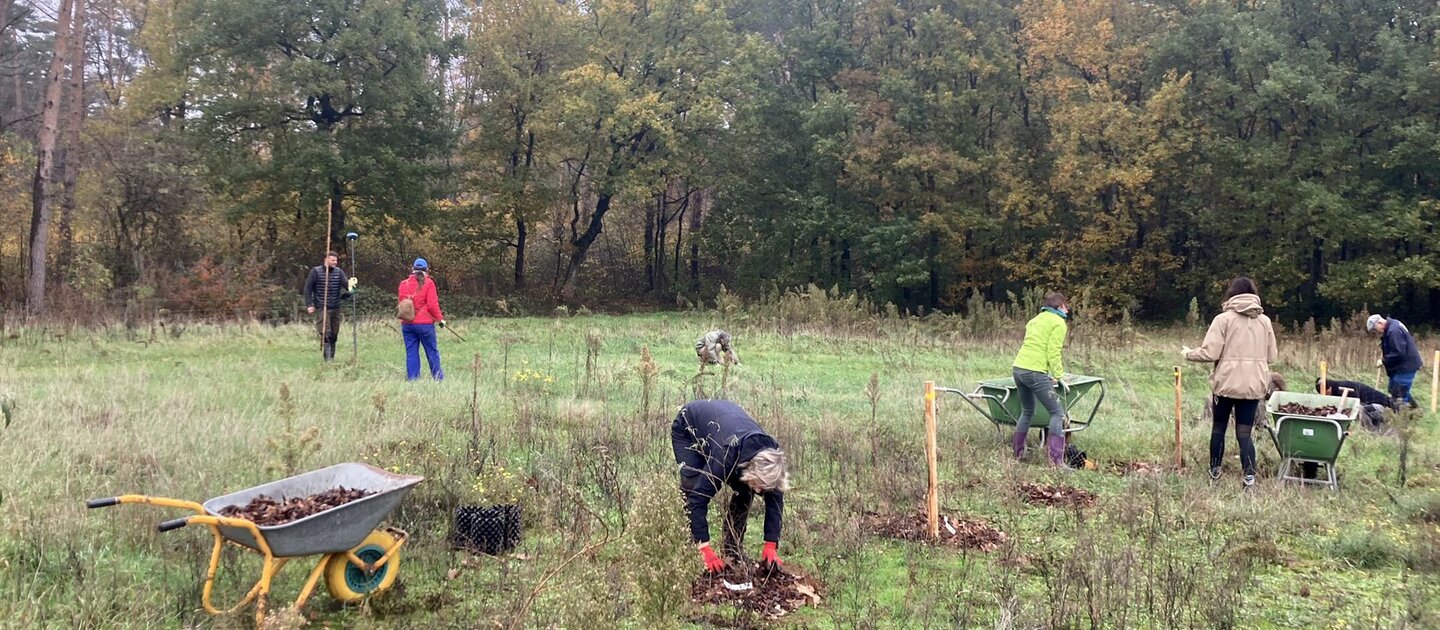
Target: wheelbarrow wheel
348, 582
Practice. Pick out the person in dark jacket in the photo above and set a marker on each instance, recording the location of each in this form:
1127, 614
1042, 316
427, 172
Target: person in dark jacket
1373, 402
325, 288
1399, 354
716, 443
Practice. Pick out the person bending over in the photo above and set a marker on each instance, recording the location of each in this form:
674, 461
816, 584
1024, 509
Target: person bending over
717, 443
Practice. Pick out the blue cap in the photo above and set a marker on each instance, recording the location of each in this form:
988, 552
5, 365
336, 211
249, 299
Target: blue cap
421, 264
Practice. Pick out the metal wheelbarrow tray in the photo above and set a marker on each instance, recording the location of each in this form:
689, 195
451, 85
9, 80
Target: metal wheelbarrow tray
335, 530
1309, 439
1002, 401
357, 560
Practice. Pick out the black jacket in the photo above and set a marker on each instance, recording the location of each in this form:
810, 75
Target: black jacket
1368, 395
1400, 354
316, 291
712, 439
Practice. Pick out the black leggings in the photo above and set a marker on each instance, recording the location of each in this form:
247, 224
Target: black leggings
1244, 424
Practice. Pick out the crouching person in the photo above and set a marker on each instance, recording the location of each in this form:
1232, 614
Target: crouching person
1373, 402
715, 346
716, 443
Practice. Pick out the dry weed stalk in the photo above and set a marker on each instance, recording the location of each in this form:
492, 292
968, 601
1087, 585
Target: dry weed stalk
648, 371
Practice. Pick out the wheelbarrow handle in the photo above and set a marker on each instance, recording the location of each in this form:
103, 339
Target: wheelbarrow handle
174, 523
102, 502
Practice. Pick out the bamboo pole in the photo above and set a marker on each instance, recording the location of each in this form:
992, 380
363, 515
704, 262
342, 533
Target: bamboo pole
1179, 395
325, 258
932, 497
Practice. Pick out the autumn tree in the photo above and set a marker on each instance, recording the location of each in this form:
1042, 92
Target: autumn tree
321, 106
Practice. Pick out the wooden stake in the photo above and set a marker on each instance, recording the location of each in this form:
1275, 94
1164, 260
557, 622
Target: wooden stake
1324, 382
325, 257
1179, 395
932, 498
1434, 380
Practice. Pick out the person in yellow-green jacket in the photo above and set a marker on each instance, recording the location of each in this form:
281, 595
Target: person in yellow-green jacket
1038, 369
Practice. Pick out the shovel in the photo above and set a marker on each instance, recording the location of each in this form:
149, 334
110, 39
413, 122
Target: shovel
457, 335
1340, 409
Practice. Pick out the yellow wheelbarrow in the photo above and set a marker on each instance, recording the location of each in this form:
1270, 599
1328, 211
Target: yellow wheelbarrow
358, 560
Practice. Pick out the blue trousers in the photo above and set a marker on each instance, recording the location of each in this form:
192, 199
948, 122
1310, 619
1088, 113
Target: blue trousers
1037, 385
417, 335
1400, 387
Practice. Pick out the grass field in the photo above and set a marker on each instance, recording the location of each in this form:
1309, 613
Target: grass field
204, 410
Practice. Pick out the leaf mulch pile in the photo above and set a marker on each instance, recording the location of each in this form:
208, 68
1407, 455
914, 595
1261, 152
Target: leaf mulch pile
960, 533
774, 593
1301, 410
1059, 496
265, 511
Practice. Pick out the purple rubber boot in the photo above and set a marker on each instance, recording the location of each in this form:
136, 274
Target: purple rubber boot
1018, 441
1057, 451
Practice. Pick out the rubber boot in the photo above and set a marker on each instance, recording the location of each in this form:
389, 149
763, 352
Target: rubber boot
1018, 442
329, 351
1056, 443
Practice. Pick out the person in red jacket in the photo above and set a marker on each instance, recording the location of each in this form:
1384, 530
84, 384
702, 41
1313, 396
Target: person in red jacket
419, 289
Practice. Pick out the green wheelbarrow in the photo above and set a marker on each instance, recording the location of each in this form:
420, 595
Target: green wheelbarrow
1001, 401
1305, 438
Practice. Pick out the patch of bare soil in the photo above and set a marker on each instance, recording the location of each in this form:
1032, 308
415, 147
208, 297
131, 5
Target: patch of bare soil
1057, 496
773, 593
265, 511
960, 533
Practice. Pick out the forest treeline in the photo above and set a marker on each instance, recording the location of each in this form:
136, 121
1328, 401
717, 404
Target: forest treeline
1135, 154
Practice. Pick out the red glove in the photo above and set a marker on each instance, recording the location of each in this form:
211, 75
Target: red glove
770, 556
713, 563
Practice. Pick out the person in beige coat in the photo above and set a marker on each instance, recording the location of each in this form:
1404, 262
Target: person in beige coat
1241, 344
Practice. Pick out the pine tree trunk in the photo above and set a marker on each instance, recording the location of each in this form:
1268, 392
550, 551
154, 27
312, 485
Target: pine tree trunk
74, 118
14, 110
45, 163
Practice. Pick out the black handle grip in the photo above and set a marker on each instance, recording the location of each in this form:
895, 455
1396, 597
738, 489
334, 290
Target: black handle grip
105, 502
174, 523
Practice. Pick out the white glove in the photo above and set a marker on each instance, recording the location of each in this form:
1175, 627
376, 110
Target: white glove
353, 282
1185, 351
1379, 362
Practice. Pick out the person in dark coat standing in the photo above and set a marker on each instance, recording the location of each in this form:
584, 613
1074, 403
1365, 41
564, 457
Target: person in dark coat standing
1399, 354
325, 288
716, 443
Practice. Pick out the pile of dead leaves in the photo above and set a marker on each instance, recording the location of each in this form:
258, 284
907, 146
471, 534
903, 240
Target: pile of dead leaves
773, 593
961, 533
1297, 409
265, 511
1061, 496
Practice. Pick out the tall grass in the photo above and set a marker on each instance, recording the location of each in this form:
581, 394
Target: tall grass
102, 412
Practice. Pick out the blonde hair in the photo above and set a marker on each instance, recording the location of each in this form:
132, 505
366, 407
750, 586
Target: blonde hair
769, 468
